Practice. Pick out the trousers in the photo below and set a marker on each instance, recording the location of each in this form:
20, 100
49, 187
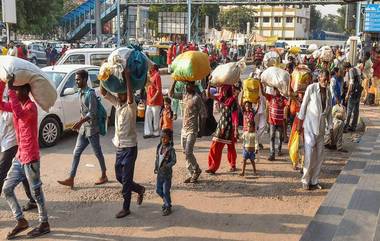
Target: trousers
163, 187
82, 142
152, 120
188, 142
314, 155
272, 134
352, 111
124, 170
18, 173
337, 135
215, 155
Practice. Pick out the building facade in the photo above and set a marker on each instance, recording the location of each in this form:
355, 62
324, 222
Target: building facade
285, 22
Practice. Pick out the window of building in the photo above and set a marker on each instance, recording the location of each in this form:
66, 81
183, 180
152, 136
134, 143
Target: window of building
289, 19
256, 19
277, 19
265, 19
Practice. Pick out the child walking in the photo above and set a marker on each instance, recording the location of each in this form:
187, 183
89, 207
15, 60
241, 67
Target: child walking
249, 138
167, 115
165, 160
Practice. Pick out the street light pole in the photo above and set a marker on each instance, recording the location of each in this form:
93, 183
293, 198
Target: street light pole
188, 21
118, 22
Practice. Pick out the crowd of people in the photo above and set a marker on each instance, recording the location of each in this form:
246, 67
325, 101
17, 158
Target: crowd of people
310, 113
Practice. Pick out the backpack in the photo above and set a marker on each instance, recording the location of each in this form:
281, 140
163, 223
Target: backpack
357, 87
101, 112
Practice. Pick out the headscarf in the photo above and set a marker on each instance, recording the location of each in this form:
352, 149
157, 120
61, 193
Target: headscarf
227, 99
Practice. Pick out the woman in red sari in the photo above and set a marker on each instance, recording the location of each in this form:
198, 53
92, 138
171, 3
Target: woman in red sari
226, 131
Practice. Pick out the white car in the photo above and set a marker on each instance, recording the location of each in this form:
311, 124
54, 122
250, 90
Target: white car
66, 110
88, 56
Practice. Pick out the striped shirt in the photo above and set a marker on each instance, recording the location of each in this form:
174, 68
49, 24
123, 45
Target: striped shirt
276, 109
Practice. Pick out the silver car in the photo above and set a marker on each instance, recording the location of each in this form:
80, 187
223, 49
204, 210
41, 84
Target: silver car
36, 53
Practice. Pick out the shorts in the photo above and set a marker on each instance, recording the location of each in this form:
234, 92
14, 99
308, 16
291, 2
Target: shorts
248, 155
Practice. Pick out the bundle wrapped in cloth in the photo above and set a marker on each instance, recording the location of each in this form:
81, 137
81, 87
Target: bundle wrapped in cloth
326, 54
251, 90
339, 112
111, 72
271, 58
277, 78
227, 74
191, 66
42, 90
301, 78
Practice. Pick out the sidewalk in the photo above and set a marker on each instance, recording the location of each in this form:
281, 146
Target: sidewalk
350, 211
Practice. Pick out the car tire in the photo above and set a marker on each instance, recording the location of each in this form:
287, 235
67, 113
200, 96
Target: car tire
34, 61
50, 132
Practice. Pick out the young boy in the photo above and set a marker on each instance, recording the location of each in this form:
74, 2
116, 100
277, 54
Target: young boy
276, 118
165, 160
167, 115
249, 137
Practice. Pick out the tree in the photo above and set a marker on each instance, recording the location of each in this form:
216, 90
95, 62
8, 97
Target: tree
236, 19
315, 19
37, 17
69, 5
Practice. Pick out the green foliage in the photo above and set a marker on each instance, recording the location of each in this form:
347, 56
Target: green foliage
37, 17
330, 22
235, 19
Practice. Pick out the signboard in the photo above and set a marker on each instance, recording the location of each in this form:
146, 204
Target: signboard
9, 11
372, 18
172, 22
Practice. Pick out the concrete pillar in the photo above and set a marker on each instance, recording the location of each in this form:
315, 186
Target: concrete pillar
98, 24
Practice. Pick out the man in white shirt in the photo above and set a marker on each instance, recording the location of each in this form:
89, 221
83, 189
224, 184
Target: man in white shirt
125, 140
12, 50
8, 152
315, 114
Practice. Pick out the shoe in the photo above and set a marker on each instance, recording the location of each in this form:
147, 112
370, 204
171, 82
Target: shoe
68, 182
279, 153
29, 206
195, 176
123, 213
316, 187
166, 211
155, 136
147, 136
306, 187
271, 158
208, 171
41, 229
233, 169
140, 197
101, 180
21, 226
351, 129
343, 150
261, 147
187, 180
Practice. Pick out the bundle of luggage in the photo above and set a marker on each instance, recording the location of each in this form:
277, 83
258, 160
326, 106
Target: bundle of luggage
111, 73
251, 90
301, 78
227, 74
277, 78
191, 66
24, 72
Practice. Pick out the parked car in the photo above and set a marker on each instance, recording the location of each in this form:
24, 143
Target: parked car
87, 56
36, 53
65, 113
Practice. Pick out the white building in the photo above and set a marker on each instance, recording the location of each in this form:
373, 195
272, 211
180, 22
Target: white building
286, 22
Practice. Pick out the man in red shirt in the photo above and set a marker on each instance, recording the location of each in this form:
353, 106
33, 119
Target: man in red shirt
154, 104
26, 164
276, 119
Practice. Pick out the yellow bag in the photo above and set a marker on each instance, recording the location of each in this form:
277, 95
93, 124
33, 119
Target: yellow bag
301, 78
251, 90
295, 50
293, 145
191, 66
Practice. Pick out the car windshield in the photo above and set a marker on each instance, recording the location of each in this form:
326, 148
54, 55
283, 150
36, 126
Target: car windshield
56, 77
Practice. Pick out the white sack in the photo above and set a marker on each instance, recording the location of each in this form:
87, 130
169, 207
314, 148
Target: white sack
277, 78
227, 74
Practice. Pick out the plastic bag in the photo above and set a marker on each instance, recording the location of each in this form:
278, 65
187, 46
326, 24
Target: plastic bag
227, 74
301, 78
293, 146
277, 78
190, 66
42, 90
295, 50
251, 90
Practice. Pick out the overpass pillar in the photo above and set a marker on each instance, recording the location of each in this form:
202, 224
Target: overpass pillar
188, 21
